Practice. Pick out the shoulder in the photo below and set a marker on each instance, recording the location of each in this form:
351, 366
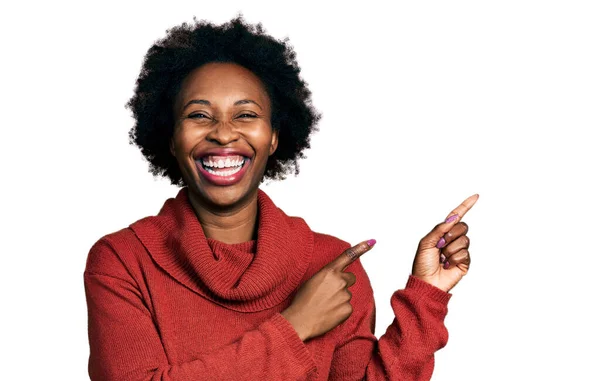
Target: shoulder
121, 252
110, 255
326, 241
327, 248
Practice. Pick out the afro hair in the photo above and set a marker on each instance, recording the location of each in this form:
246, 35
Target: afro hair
189, 46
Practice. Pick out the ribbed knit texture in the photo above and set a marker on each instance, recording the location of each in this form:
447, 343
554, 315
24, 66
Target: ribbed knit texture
222, 273
166, 303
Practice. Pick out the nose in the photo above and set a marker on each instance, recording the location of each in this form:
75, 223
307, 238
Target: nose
223, 133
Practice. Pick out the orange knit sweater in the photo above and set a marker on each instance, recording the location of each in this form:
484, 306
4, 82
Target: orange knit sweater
166, 303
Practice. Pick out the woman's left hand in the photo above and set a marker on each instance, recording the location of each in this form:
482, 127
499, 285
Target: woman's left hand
443, 257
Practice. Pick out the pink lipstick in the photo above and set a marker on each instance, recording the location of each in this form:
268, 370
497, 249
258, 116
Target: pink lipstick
223, 166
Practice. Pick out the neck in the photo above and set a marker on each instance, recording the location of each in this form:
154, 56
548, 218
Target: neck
232, 225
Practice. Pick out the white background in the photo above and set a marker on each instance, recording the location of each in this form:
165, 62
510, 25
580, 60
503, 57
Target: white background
424, 103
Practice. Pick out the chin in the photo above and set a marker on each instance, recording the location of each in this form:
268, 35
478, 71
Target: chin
223, 197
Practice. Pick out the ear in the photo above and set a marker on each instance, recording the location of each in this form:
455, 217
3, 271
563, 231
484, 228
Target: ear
172, 147
274, 142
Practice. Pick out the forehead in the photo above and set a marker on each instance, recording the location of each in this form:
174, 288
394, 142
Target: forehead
220, 79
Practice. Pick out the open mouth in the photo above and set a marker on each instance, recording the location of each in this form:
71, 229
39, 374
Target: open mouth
223, 166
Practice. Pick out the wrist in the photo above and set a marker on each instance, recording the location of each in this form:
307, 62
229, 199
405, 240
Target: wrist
432, 281
296, 323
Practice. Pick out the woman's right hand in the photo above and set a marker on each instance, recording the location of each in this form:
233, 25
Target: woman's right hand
323, 302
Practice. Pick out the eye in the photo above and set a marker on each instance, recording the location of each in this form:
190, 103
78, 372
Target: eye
198, 116
246, 115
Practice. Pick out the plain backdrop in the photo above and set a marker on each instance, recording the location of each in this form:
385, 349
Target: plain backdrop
424, 103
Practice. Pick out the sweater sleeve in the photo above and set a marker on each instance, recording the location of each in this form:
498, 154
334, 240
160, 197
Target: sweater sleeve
126, 345
406, 350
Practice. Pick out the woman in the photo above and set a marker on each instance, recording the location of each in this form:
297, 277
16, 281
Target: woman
222, 284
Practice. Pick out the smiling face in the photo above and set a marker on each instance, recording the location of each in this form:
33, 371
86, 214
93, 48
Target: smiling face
222, 136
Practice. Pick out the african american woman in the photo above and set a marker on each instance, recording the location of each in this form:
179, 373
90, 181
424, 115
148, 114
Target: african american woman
221, 284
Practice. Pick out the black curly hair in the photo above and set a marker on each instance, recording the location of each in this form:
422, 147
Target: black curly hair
189, 46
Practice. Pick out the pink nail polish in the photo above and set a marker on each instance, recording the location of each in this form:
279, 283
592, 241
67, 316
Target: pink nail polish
446, 265
452, 218
442, 258
440, 243
371, 242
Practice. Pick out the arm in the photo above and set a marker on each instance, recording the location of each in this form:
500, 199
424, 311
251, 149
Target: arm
406, 350
125, 344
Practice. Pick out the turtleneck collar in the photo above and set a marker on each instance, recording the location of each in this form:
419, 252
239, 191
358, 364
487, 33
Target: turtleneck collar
249, 276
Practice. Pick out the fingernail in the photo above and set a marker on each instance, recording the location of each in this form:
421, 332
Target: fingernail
442, 258
371, 242
440, 243
452, 218
446, 265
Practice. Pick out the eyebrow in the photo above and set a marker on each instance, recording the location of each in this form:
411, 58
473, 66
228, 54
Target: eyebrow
207, 103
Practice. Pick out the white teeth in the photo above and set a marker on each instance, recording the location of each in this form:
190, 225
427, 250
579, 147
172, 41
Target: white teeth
224, 173
229, 162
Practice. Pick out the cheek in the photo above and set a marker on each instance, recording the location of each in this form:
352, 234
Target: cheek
184, 140
260, 138
178, 144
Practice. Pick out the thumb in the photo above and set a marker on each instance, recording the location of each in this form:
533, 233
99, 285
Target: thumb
350, 255
430, 240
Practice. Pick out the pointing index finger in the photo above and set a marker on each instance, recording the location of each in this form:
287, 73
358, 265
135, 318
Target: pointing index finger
459, 212
434, 237
351, 254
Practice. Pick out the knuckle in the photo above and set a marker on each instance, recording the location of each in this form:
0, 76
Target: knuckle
461, 255
345, 282
348, 309
331, 277
466, 241
351, 280
352, 253
466, 227
467, 259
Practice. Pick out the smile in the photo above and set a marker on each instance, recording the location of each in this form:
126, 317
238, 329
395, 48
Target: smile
222, 169
223, 166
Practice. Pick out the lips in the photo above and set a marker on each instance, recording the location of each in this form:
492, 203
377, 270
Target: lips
225, 166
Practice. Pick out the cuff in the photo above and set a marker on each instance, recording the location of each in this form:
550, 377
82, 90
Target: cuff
427, 290
297, 346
